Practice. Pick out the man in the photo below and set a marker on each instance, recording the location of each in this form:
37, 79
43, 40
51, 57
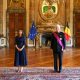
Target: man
58, 45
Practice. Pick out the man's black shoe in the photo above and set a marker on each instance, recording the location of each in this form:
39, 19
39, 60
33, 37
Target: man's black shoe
60, 71
55, 71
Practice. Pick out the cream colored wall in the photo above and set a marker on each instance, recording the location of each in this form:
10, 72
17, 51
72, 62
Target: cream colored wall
27, 16
71, 17
1, 17
4, 16
71, 22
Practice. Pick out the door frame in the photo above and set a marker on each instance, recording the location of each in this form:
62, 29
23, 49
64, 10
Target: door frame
74, 21
7, 21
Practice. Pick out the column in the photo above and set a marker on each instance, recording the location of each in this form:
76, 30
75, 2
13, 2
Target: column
4, 16
71, 19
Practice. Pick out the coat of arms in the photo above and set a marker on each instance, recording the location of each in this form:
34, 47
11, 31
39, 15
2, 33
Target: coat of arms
48, 8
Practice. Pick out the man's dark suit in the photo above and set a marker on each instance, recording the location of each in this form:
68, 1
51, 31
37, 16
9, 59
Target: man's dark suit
57, 49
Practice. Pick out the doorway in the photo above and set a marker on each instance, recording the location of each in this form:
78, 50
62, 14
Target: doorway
16, 20
77, 29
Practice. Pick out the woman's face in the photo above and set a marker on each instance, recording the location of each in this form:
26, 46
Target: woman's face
20, 32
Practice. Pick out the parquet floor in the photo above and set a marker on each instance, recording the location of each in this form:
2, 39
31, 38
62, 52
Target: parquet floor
42, 57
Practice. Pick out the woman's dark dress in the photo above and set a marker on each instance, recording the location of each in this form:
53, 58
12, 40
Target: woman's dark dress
20, 56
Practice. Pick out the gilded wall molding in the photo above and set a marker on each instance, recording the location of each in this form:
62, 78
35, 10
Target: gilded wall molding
16, 4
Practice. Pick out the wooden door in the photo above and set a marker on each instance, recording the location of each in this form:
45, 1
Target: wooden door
16, 22
21, 20
77, 29
11, 30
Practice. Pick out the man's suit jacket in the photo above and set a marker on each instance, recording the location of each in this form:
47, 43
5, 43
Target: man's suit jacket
54, 43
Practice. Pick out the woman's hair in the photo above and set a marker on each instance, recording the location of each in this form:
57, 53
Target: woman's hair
22, 32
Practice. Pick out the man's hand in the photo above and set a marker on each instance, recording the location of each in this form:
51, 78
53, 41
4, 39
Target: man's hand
62, 49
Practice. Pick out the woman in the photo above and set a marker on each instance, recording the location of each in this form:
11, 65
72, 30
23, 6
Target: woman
20, 51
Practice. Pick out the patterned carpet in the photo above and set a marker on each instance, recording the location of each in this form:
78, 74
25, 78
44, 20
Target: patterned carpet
41, 73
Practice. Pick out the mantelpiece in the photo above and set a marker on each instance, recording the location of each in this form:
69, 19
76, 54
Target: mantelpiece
47, 28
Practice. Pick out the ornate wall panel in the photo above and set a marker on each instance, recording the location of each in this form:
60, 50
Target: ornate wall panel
32, 11
49, 12
16, 4
67, 11
1, 16
76, 4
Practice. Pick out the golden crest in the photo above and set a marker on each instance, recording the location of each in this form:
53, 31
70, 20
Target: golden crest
48, 9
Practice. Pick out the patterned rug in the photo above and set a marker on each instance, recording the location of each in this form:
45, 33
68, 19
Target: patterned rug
41, 73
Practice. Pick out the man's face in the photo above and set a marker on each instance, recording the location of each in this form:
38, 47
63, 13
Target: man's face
58, 28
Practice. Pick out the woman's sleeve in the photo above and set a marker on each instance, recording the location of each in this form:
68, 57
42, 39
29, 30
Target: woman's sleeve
24, 41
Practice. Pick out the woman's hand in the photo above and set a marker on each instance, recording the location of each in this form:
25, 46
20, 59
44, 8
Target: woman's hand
19, 49
22, 48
